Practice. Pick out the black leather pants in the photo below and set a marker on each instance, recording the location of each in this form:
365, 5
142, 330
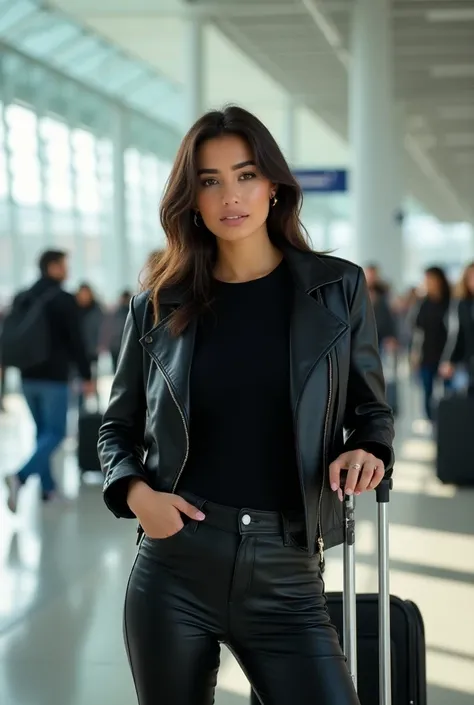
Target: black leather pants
235, 578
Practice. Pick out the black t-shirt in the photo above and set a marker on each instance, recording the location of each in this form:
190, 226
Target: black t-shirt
242, 444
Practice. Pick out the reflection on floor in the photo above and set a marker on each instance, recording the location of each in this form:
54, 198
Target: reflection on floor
63, 570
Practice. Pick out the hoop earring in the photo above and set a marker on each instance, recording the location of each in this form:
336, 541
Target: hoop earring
275, 201
196, 222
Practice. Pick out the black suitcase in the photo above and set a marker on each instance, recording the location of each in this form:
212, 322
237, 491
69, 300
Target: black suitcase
455, 430
381, 635
88, 434
408, 671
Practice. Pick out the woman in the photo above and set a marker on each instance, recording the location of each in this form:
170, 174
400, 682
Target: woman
92, 319
431, 332
460, 351
239, 368
116, 326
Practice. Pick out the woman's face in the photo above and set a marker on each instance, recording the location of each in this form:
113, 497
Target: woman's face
233, 197
84, 296
432, 285
470, 280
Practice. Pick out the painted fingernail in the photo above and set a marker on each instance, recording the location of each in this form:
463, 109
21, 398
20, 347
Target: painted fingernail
334, 486
200, 516
357, 494
349, 491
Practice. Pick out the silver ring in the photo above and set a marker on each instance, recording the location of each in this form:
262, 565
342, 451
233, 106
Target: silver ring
356, 466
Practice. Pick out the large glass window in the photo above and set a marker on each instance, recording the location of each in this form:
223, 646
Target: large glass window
145, 177
58, 185
23, 144
57, 150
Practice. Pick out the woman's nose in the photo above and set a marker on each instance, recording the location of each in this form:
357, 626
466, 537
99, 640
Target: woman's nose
230, 196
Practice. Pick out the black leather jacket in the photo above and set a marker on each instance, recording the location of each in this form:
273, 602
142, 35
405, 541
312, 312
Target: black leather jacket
337, 391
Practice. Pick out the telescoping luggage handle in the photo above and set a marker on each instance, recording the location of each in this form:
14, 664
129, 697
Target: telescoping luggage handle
349, 594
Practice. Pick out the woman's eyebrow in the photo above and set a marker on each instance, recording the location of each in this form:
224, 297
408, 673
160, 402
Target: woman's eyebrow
240, 165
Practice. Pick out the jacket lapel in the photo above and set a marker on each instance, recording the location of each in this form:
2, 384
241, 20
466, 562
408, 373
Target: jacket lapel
173, 355
314, 332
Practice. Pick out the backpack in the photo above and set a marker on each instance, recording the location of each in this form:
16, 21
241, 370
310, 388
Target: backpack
26, 335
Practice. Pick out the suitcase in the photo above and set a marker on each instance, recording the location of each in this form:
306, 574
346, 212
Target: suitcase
88, 435
379, 630
408, 668
382, 636
454, 432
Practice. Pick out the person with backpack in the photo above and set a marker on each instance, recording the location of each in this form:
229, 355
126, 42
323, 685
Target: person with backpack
42, 337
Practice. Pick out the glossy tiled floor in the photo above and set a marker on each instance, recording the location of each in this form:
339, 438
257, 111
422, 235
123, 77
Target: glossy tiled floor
63, 571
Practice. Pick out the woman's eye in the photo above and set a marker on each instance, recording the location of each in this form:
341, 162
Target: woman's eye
209, 182
248, 175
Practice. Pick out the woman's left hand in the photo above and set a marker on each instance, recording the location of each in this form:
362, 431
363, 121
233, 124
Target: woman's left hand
365, 472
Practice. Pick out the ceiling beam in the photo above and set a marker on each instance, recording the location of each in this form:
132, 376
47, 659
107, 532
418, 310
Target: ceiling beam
205, 10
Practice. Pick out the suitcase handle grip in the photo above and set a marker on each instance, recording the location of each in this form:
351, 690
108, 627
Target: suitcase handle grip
382, 491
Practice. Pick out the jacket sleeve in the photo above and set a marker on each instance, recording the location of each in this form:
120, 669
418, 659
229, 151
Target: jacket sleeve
368, 419
458, 353
121, 436
454, 350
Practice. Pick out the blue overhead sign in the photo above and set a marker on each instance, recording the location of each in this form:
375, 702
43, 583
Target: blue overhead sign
322, 180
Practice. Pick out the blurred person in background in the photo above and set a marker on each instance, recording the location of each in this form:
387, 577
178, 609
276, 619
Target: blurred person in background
92, 325
460, 349
221, 435
92, 318
116, 325
384, 317
406, 309
46, 385
2, 367
431, 332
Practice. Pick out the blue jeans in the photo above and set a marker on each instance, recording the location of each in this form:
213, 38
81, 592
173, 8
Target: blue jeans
48, 403
428, 376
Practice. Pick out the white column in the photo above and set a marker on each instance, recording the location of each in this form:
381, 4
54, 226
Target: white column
120, 245
194, 68
290, 146
376, 140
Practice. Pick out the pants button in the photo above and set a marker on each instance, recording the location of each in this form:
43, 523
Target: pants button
246, 519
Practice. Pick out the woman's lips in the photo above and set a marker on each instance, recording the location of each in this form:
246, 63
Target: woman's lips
233, 220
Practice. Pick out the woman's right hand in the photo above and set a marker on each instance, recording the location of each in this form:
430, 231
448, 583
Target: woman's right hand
159, 513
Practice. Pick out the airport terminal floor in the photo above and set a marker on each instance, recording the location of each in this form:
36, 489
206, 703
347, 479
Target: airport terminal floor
64, 567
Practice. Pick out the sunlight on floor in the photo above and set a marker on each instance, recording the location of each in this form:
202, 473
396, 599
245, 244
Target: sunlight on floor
419, 546
451, 672
447, 612
231, 676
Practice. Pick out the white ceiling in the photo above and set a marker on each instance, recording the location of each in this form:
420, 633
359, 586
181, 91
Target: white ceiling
258, 51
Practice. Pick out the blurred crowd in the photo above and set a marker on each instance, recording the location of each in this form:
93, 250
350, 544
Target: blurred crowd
433, 325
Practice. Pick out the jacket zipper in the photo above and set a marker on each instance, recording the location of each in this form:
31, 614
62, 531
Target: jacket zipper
320, 539
185, 425
186, 456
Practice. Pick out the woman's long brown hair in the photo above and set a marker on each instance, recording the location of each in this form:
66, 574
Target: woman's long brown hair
189, 258
462, 289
